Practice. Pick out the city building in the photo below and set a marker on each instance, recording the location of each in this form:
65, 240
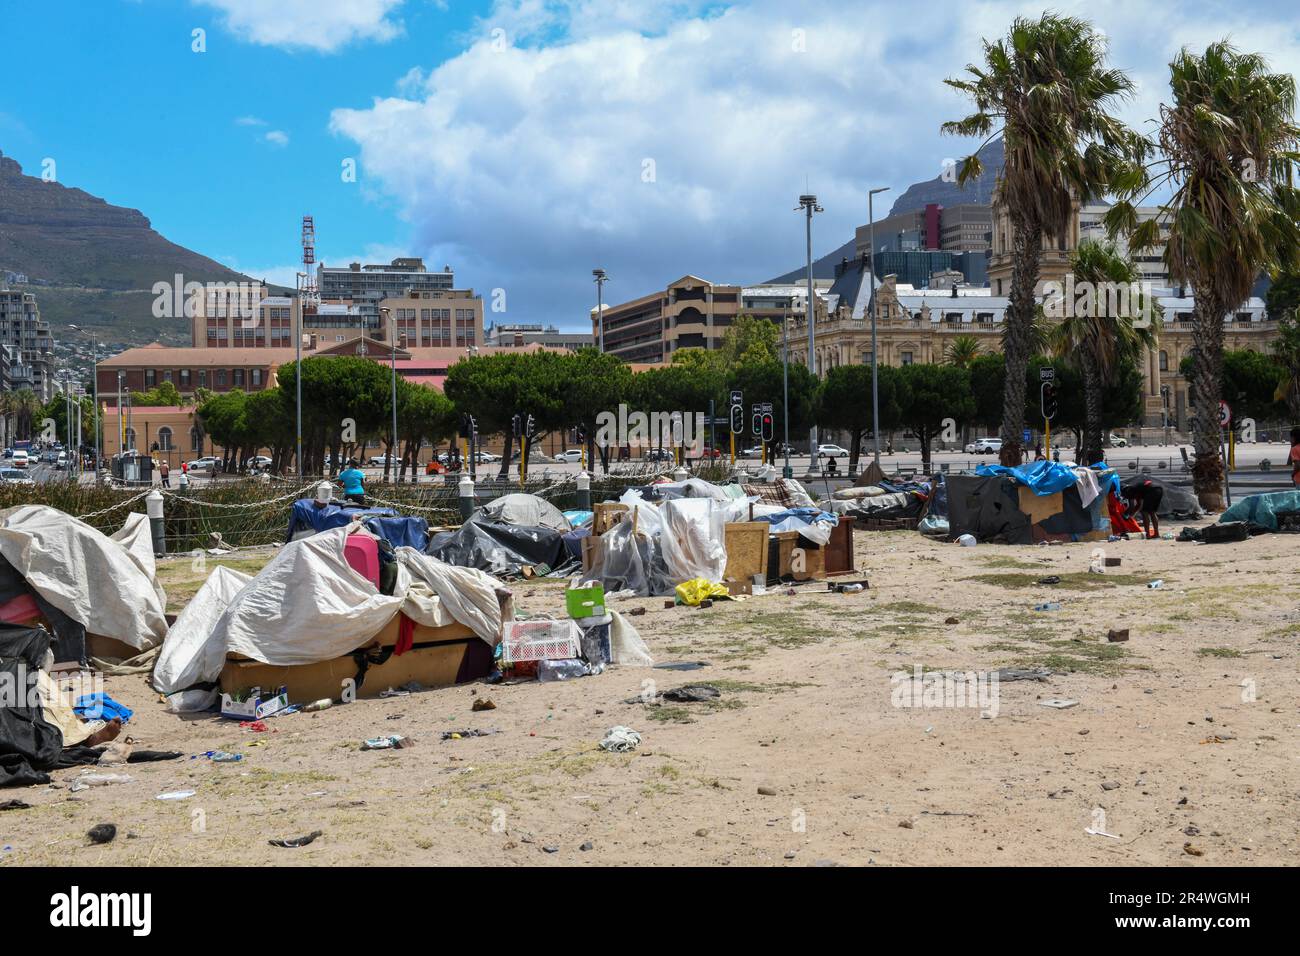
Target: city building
964, 227
31, 345
505, 336
368, 285
437, 318
1150, 262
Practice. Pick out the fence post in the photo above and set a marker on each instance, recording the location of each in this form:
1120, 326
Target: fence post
466, 487
681, 474
154, 507
584, 491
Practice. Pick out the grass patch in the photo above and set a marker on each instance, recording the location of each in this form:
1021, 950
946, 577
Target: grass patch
1218, 652
1070, 580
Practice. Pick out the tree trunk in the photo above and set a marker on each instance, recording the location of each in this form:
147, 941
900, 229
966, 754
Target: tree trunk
1207, 376
506, 454
855, 450
924, 435
1027, 245
1091, 444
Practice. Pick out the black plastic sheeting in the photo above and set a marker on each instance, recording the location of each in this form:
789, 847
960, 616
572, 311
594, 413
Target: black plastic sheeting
69, 634
500, 549
989, 509
29, 745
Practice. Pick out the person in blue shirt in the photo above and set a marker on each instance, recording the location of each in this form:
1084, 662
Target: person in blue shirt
353, 479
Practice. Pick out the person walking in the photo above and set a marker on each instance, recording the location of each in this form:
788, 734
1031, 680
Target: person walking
1294, 457
164, 473
353, 480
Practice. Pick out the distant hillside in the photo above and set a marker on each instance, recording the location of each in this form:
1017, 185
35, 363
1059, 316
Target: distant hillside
823, 268
91, 262
938, 190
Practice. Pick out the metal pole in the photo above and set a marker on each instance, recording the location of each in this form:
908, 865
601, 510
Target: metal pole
600, 277
809, 203
388, 460
871, 299
787, 471
94, 345
297, 376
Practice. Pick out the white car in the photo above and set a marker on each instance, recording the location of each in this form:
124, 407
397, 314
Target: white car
14, 476
572, 454
20, 458
208, 464
377, 461
984, 446
1117, 441
832, 451
487, 458
259, 461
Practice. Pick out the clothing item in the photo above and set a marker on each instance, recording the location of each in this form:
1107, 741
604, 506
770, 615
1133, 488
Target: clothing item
353, 481
100, 707
1294, 459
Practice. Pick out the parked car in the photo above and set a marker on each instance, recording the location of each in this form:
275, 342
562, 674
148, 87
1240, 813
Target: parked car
659, 454
259, 461
487, 458
205, 465
754, 452
832, 451
984, 446
570, 455
61, 463
20, 459
14, 476
1118, 441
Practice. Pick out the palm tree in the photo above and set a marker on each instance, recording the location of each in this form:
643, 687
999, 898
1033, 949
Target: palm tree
1286, 350
1046, 89
1229, 140
1113, 319
25, 406
962, 350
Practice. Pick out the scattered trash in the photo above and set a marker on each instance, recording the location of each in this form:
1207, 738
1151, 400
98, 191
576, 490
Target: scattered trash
1116, 636
1050, 579
394, 693
550, 671
967, 541
115, 753
102, 833
951, 620
1115, 562
256, 726
325, 703
460, 734
483, 703
634, 611
297, 841
692, 694
88, 780
681, 666
1048, 606
1058, 703
767, 791
1093, 832
390, 742
1020, 673
223, 756
1191, 850
176, 795
620, 740
15, 805
1156, 585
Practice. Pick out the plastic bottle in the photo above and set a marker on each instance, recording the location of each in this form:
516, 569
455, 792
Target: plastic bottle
325, 703
548, 671
1156, 585
1049, 606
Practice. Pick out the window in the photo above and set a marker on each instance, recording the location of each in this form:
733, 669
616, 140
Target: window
237, 377
167, 375
164, 439
185, 378
1164, 361
196, 439
906, 358
203, 378
866, 358
256, 377
221, 378
150, 377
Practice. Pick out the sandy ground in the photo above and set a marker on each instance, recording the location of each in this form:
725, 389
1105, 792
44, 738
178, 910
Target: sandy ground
1183, 739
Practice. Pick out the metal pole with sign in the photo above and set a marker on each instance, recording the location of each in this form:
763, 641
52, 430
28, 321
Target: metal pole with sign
1048, 405
737, 423
1225, 422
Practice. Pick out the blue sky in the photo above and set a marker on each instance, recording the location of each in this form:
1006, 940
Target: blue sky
525, 142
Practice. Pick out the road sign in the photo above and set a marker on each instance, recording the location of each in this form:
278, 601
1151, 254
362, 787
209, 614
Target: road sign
1047, 374
1024, 436
737, 397
1225, 414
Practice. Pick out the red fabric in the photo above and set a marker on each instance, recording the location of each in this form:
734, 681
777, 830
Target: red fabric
1118, 523
405, 634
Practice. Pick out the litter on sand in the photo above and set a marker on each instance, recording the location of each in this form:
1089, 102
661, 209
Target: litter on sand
294, 842
620, 740
1058, 703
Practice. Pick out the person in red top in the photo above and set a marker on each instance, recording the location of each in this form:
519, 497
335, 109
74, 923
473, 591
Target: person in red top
1294, 457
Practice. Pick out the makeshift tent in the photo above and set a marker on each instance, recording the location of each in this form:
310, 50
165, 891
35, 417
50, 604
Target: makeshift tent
309, 605
104, 585
1261, 510
500, 548
29, 744
309, 517
1176, 502
997, 508
526, 510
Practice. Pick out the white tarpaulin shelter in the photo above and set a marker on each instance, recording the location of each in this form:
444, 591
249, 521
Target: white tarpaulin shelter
527, 510
309, 605
105, 584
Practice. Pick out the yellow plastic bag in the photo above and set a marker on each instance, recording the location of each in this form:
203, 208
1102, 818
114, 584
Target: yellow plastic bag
698, 589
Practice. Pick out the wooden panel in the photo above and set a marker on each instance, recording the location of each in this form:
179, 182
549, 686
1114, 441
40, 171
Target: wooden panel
746, 543
839, 550
606, 514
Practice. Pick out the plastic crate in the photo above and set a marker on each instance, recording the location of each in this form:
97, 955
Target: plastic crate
540, 641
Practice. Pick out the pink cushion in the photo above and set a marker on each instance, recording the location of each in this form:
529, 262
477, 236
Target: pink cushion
362, 553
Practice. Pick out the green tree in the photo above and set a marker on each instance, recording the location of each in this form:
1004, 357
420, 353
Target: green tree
928, 395
1047, 90
1286, 350
844, 404
962, 351
1229, 139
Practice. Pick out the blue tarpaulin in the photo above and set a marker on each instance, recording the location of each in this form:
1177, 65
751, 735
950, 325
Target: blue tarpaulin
1262, 509
383, 522
1041, 477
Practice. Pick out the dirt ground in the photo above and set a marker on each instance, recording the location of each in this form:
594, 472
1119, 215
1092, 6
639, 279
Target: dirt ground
1182, 744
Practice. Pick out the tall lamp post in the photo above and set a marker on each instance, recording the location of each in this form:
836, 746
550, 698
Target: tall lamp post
871, 300
808, 203
787, 471
601, 277
388, 459
297, 377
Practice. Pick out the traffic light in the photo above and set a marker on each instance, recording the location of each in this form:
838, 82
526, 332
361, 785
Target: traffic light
1049, 403
515, 424
580, 434
756, 424
530, 426
767, 426
737, 420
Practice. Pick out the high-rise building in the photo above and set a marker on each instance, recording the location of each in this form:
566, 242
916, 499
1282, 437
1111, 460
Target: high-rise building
29, 342
368, 285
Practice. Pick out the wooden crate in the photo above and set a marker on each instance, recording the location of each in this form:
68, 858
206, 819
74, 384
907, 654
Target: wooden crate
605, 515
782, 547
839, 549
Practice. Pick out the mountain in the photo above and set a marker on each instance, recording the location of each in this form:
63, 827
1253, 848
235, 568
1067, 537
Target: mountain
917, 196
823, 268
91, 262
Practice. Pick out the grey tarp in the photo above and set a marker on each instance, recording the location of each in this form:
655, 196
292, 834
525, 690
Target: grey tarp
528, 510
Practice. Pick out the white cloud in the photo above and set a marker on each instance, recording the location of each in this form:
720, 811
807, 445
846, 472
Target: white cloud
277, 137
249, 121
523, 166
321, 25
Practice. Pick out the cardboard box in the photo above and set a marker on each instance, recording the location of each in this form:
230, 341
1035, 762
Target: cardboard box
605, 515
254, 706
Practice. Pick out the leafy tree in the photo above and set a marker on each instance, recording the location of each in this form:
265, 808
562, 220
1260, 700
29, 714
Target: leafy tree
844, 403
930, 394
1046, 89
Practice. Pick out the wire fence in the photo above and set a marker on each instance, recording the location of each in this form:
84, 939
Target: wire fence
234, 513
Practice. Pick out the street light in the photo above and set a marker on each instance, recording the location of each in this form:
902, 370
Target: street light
601, 277
808, 203
875, 378
388, 459
297, 374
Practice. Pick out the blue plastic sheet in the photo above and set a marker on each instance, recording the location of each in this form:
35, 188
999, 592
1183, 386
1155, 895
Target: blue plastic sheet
100, 706
1041, 477
400, 532
385, 523
1262, 509
803, 515
578, 518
